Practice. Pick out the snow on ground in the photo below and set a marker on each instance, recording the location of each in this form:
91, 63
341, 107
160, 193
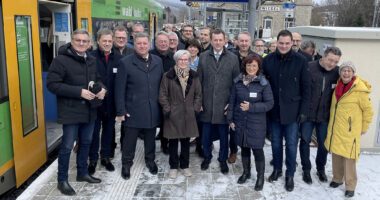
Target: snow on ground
210, 184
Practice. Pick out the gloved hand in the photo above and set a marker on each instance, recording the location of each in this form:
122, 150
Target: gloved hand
301, 118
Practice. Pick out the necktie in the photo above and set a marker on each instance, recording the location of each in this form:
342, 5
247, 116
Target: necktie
217, 56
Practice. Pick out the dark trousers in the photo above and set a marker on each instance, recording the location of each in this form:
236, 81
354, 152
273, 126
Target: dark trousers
257, 153
164, 141
106, 139
81, 133
199, 138
222, 132
183, 159
290, 133
129, 145
232, 142
306, 133
122, 134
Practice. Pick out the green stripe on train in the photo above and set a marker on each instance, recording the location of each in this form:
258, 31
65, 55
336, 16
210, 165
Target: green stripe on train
130, 10
6, 149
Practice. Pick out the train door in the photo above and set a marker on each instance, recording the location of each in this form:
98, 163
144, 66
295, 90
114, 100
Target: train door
23, 63
7, 174
55, 30
83, 15
153, 25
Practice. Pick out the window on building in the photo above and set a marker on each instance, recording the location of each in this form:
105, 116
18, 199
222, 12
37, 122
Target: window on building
289, 22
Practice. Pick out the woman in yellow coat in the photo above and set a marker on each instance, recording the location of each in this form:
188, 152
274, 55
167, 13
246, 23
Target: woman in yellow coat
350, 115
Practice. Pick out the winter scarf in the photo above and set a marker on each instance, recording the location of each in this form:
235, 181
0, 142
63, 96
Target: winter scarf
183, 76
342, 88
247, 79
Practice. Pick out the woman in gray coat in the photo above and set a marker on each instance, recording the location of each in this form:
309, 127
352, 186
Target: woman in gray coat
250, 99
180, 98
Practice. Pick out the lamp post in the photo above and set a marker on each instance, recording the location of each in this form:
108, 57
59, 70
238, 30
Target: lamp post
252, 17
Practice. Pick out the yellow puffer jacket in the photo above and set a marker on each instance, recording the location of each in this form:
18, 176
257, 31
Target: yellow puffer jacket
349, 117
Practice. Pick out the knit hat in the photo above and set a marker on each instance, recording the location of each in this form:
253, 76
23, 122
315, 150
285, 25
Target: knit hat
347, 64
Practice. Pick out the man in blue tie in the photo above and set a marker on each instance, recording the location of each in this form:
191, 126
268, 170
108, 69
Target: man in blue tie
217, 69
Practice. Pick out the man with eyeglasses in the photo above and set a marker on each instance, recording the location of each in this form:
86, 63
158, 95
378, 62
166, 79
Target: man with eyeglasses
120, 47
120, 41
187, 33
259, 47
297, 41
69, 78
174, 44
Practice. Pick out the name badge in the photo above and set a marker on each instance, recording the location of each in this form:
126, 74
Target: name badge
253, 94
114, 70
333, 86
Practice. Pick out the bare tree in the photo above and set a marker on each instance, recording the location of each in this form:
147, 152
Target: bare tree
355, 13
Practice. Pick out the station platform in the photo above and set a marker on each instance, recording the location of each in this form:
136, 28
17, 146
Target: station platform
209, 184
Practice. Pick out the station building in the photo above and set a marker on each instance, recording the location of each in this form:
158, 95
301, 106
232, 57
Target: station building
271, 16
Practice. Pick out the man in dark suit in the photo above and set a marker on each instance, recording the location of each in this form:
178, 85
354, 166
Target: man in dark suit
217, 68
136, 97
107, 62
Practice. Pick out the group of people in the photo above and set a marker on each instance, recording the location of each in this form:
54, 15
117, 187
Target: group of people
202, 87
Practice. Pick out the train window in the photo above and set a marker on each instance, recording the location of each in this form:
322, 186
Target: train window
3, 69
84, 23
26, 73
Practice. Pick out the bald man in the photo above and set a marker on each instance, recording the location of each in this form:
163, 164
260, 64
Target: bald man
297, 40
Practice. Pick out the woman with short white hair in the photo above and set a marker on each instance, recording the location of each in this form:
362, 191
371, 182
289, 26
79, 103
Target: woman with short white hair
180, 98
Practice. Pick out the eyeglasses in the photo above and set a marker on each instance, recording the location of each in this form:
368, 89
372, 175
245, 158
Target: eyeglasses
81, 41
183, 60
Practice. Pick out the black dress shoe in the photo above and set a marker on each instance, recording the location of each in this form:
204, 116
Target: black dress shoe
92, 167
205, 164
152, 168
88, 178
335, 184
106, 162
126, 172
289, 183
274, 176
65, 188
306, 177
349, 193
322, 176
224, 167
